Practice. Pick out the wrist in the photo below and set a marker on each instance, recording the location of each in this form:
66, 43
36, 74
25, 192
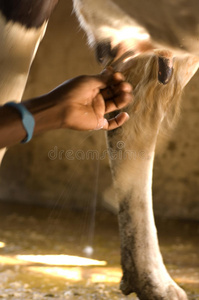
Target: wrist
47, 113
27, 119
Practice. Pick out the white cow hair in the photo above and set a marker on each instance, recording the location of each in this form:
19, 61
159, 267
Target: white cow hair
154, 104
18, 48
98, 30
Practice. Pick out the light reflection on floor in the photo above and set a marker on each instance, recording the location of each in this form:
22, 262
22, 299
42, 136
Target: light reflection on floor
61, 260
33, 266
93, 275
2, 244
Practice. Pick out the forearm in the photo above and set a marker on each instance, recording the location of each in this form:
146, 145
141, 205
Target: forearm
46, 112
80, 104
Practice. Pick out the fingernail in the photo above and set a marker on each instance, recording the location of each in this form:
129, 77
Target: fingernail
101, 124
104, 123
128, 88
127, 115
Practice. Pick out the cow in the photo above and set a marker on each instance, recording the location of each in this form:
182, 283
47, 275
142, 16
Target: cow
155, 45
22, 27
158, 55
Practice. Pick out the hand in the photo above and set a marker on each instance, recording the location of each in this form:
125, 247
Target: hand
86, 99
80, 104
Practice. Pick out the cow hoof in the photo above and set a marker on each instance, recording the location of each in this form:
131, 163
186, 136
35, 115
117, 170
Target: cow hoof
150, 291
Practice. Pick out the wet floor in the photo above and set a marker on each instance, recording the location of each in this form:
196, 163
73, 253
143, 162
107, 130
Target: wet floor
42, 254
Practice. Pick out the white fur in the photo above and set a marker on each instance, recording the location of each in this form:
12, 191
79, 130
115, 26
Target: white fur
114, 25
17, 51
154, 104
154, 21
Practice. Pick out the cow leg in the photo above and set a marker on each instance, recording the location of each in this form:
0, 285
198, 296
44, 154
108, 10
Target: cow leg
157, 87
143, 269
22, 28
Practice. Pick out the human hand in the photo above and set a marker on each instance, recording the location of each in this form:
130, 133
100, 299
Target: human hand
85, 100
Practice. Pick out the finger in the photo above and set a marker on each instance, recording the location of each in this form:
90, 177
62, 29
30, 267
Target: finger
107, 93
118, 102
109, 77
116, 122
98, 106
118, 77
105, 78
122, 87
115, 90
112, 77
100, 81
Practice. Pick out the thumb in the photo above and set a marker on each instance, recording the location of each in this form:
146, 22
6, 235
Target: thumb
105, 77
116, 122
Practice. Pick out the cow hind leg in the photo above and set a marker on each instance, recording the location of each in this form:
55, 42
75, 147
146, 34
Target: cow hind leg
143, 269
157, 80
132, 150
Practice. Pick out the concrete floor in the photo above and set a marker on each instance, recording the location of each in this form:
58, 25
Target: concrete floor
27, 231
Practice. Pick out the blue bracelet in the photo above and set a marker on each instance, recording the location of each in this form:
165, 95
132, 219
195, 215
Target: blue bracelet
27, 119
